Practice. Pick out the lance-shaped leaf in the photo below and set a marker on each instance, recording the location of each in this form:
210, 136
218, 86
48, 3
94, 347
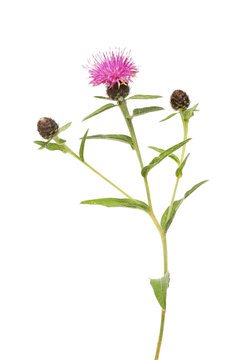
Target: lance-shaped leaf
58, 140
114, 202
168, 117
142, 97
187, 114
102, 97
51, 146
181, 166
81, 150
42, 144
160, 287
162, 156
117, 137
64, 127
166, 219
172, 156
146, 110
100, 110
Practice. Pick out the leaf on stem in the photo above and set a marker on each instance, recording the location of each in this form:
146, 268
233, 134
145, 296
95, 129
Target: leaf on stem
146, 110
58, 140
166, 219
162, 156
172, 156
100, 110
142, 97
64, 127
187, 114
168, 117
117, 137
181, 166
81, 150
102, 97
160, 287
114, 202
51, 146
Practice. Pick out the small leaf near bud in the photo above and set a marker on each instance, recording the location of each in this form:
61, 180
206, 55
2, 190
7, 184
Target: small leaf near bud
179, 100
47, 127
117, 91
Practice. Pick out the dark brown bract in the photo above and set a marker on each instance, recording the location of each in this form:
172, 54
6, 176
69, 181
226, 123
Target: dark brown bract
179, 100
47, 127
117, 91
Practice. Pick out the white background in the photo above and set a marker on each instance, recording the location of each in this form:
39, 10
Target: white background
74, 279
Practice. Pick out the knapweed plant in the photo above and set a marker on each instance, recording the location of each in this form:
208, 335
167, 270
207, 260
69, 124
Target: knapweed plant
116, 71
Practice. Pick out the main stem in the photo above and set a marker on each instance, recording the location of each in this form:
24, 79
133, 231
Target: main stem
123, 106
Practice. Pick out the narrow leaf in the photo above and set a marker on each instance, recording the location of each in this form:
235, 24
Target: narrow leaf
81, 150
141, 97
181, 166
64, 127
168, 117
53, 147
58, 140
166, 223
100, 110
102, 97
187, 114
160, 287
118, 137
113, 202
172, 156
162, 156
146, 110
189, 192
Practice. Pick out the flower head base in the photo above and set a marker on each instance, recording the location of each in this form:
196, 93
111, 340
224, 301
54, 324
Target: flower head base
179, 100
47, 127
112, 68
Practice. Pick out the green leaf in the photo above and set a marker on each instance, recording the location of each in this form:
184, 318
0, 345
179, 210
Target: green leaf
64, 127
166, 223
100, 110
141, 97
187, 114
162, 156
118, 137
172, 156
42, 144
102, 97
181, 166
58, 140
189, 192
113, 202
53, 147
168, 117
146, 110
160, 287
81, 150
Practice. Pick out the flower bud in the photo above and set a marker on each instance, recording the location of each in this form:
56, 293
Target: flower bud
117, 91
179, 100
47, 127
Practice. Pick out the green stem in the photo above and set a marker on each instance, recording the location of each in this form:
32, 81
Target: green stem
185, 133
123, 106
68, 150
160, 335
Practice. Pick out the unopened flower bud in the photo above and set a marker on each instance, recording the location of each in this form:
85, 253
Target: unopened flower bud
47, 127
117, 91
179, 100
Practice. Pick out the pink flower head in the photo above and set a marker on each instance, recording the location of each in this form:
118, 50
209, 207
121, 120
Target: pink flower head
111, 68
